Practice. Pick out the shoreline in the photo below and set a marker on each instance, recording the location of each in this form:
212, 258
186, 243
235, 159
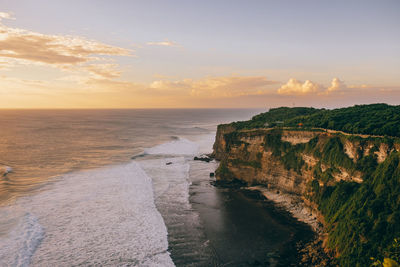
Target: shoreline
244, 228
310, 253
293, 204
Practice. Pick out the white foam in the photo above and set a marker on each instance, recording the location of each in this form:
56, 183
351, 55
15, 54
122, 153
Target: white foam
170, 182
181, 146
20, 244
205, 142
97, 217
105, 216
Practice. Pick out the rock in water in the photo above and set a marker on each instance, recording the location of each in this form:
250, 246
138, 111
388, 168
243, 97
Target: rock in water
203, 158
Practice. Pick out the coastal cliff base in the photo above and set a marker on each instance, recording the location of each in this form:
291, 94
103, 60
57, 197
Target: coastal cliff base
342, 185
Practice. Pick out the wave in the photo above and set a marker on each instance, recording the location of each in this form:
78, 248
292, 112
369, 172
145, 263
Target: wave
98, 217
106, 216
21, 243
170, 173
180, 146
171, 190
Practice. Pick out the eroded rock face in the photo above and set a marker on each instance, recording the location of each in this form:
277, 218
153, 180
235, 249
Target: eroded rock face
297, 162
350, 149
270, 172
382, 153
219, 147
344, 175
246, 155
298, 137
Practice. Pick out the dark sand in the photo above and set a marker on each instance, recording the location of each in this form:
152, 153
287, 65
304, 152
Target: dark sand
240, 227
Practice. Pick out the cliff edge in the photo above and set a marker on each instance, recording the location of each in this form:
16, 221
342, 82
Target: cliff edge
350, 181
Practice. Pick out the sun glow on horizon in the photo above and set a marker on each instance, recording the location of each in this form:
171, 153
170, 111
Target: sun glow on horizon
64, 70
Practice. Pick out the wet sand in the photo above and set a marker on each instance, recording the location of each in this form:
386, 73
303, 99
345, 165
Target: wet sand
293, 204
241, 227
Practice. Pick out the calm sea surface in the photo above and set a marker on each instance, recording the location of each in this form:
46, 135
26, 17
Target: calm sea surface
120, 188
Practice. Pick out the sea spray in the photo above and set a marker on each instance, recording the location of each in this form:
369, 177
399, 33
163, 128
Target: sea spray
104, 216
168, 166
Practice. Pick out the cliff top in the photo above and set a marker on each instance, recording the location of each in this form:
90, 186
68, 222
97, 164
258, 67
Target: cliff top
373, 119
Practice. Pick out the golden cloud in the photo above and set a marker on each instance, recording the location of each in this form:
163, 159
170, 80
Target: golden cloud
230, 86
16, 86
105, 71
336, 85
51, 49
295, 87
166, 42
211, 87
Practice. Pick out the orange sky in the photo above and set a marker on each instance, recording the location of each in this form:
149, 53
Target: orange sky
45, 67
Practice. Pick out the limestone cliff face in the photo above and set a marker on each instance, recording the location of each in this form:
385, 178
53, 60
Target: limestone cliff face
219, 148
290, 160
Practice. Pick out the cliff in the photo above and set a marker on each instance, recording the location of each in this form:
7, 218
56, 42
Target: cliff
324, 169
290, 159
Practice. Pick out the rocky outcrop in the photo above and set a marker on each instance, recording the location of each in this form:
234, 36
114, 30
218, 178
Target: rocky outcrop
298, 137
219, 147
350, 148
288, 160
287, 165
382, 153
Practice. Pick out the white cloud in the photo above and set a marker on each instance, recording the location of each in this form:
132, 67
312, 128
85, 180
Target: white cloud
295, 87
166, 42
336, 85
5, 15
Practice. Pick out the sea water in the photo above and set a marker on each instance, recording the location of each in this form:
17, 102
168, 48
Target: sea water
120, 188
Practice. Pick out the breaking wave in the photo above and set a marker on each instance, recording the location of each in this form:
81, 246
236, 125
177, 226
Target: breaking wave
104, 216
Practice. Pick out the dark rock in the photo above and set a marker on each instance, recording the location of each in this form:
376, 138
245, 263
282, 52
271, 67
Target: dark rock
235, 183
203, 158
168, 163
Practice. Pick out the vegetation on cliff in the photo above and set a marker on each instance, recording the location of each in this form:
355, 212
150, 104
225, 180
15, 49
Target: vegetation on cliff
361, 218
274, 117
374, 119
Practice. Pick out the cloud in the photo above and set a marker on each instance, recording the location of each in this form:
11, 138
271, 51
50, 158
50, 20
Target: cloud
230, 86
166, 42
83, 60
336, 85
17, 86
40, 48
206, 88
5, 15
105, 71
295, 87
4, 65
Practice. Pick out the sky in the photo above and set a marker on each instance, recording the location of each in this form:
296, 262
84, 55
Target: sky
198, 54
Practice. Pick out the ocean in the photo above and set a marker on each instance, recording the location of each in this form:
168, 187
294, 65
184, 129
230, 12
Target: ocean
121, 188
